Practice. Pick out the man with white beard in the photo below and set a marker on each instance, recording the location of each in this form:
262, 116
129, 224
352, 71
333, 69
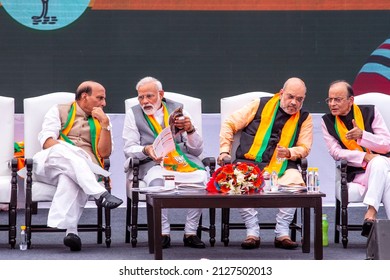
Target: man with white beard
143, 123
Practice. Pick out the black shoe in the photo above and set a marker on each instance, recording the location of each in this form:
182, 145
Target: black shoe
367, 226
107, 200
165, 241
73, 242
193, 241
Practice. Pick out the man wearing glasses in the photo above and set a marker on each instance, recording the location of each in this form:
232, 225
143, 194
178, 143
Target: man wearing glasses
272, 129
358, 134
143, 123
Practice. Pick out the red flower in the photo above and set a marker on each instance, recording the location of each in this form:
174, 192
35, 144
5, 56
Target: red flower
236, 178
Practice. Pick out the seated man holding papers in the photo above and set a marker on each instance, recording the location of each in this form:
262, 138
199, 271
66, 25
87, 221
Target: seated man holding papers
180, 157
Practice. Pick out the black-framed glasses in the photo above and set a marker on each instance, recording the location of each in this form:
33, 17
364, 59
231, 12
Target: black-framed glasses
147, 96
336, 100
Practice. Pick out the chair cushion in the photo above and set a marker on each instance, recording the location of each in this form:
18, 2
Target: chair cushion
45, 192
229, 105
42, 191
5, 189
353, 192
7, 134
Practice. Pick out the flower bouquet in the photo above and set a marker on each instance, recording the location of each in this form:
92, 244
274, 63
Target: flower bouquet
236, 178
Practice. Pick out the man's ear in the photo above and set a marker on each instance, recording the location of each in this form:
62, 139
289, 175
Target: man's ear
161, 93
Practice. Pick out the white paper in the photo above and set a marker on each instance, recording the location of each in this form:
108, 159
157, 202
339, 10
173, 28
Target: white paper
164, 143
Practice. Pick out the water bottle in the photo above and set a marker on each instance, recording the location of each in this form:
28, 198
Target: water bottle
274, 181
316, 180
23, 239
325, 227
310, 180
267, 183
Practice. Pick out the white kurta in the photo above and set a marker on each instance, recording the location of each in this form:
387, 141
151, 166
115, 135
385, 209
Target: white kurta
133, 148
71, 170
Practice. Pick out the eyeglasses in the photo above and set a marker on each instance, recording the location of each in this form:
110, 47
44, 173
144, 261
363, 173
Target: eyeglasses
147, 96
336, 100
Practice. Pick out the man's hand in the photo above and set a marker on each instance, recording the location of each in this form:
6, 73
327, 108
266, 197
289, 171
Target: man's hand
149, 151
98, 113
368, 157
282, 152
355, 133
183, 122
49, 143
223, 157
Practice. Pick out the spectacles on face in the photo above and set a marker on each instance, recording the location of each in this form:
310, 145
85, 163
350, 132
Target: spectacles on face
299, 99
147, 96
336, 100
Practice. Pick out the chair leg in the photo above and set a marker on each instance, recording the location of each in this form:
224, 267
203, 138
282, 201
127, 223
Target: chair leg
134, 220
12, 227
344, 225
337, 222
107, 215
99, 221
128, 219
28, 215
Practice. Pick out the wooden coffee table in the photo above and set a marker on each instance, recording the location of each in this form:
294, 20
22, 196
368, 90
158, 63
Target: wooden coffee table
203, 199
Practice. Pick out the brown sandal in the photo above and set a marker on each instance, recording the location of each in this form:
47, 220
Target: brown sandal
251, 243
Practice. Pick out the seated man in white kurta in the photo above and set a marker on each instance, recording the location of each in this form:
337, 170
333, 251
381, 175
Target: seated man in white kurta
143, 123
75, 138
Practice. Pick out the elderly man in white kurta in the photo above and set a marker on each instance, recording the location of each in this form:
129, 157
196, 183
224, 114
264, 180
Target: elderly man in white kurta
143, 123
75, 138
358, 134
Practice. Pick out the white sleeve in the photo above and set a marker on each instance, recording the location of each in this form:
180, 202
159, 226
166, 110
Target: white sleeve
131, 137
51, 126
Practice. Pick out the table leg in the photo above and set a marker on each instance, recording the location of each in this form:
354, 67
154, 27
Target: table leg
150, 220
212, 227
306, 231
318, 249
158, 255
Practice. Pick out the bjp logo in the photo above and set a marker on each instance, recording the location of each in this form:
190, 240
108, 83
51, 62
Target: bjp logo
45, 14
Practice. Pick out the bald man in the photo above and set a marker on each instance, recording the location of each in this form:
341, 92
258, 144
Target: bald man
272, 128
70, 161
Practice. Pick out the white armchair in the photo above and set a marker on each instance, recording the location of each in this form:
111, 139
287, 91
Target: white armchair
35, 109
228, 106
194, 107
8, 167
347, 193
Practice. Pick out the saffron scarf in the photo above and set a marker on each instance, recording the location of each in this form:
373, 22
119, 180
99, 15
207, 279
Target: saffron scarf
175, 160
263, 134
342, 130
94, 127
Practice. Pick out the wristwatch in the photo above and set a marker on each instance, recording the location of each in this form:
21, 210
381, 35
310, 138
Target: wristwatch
108, 128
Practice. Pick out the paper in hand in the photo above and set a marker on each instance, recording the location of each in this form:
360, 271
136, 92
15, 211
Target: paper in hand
164, 143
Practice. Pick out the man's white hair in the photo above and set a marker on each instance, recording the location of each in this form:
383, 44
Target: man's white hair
148, 80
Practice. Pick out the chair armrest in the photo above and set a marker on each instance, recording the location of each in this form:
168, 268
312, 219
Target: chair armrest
106, 163
210, 162
134, 164
14, 183
302, 165
341, 166
106, 180
29, 167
